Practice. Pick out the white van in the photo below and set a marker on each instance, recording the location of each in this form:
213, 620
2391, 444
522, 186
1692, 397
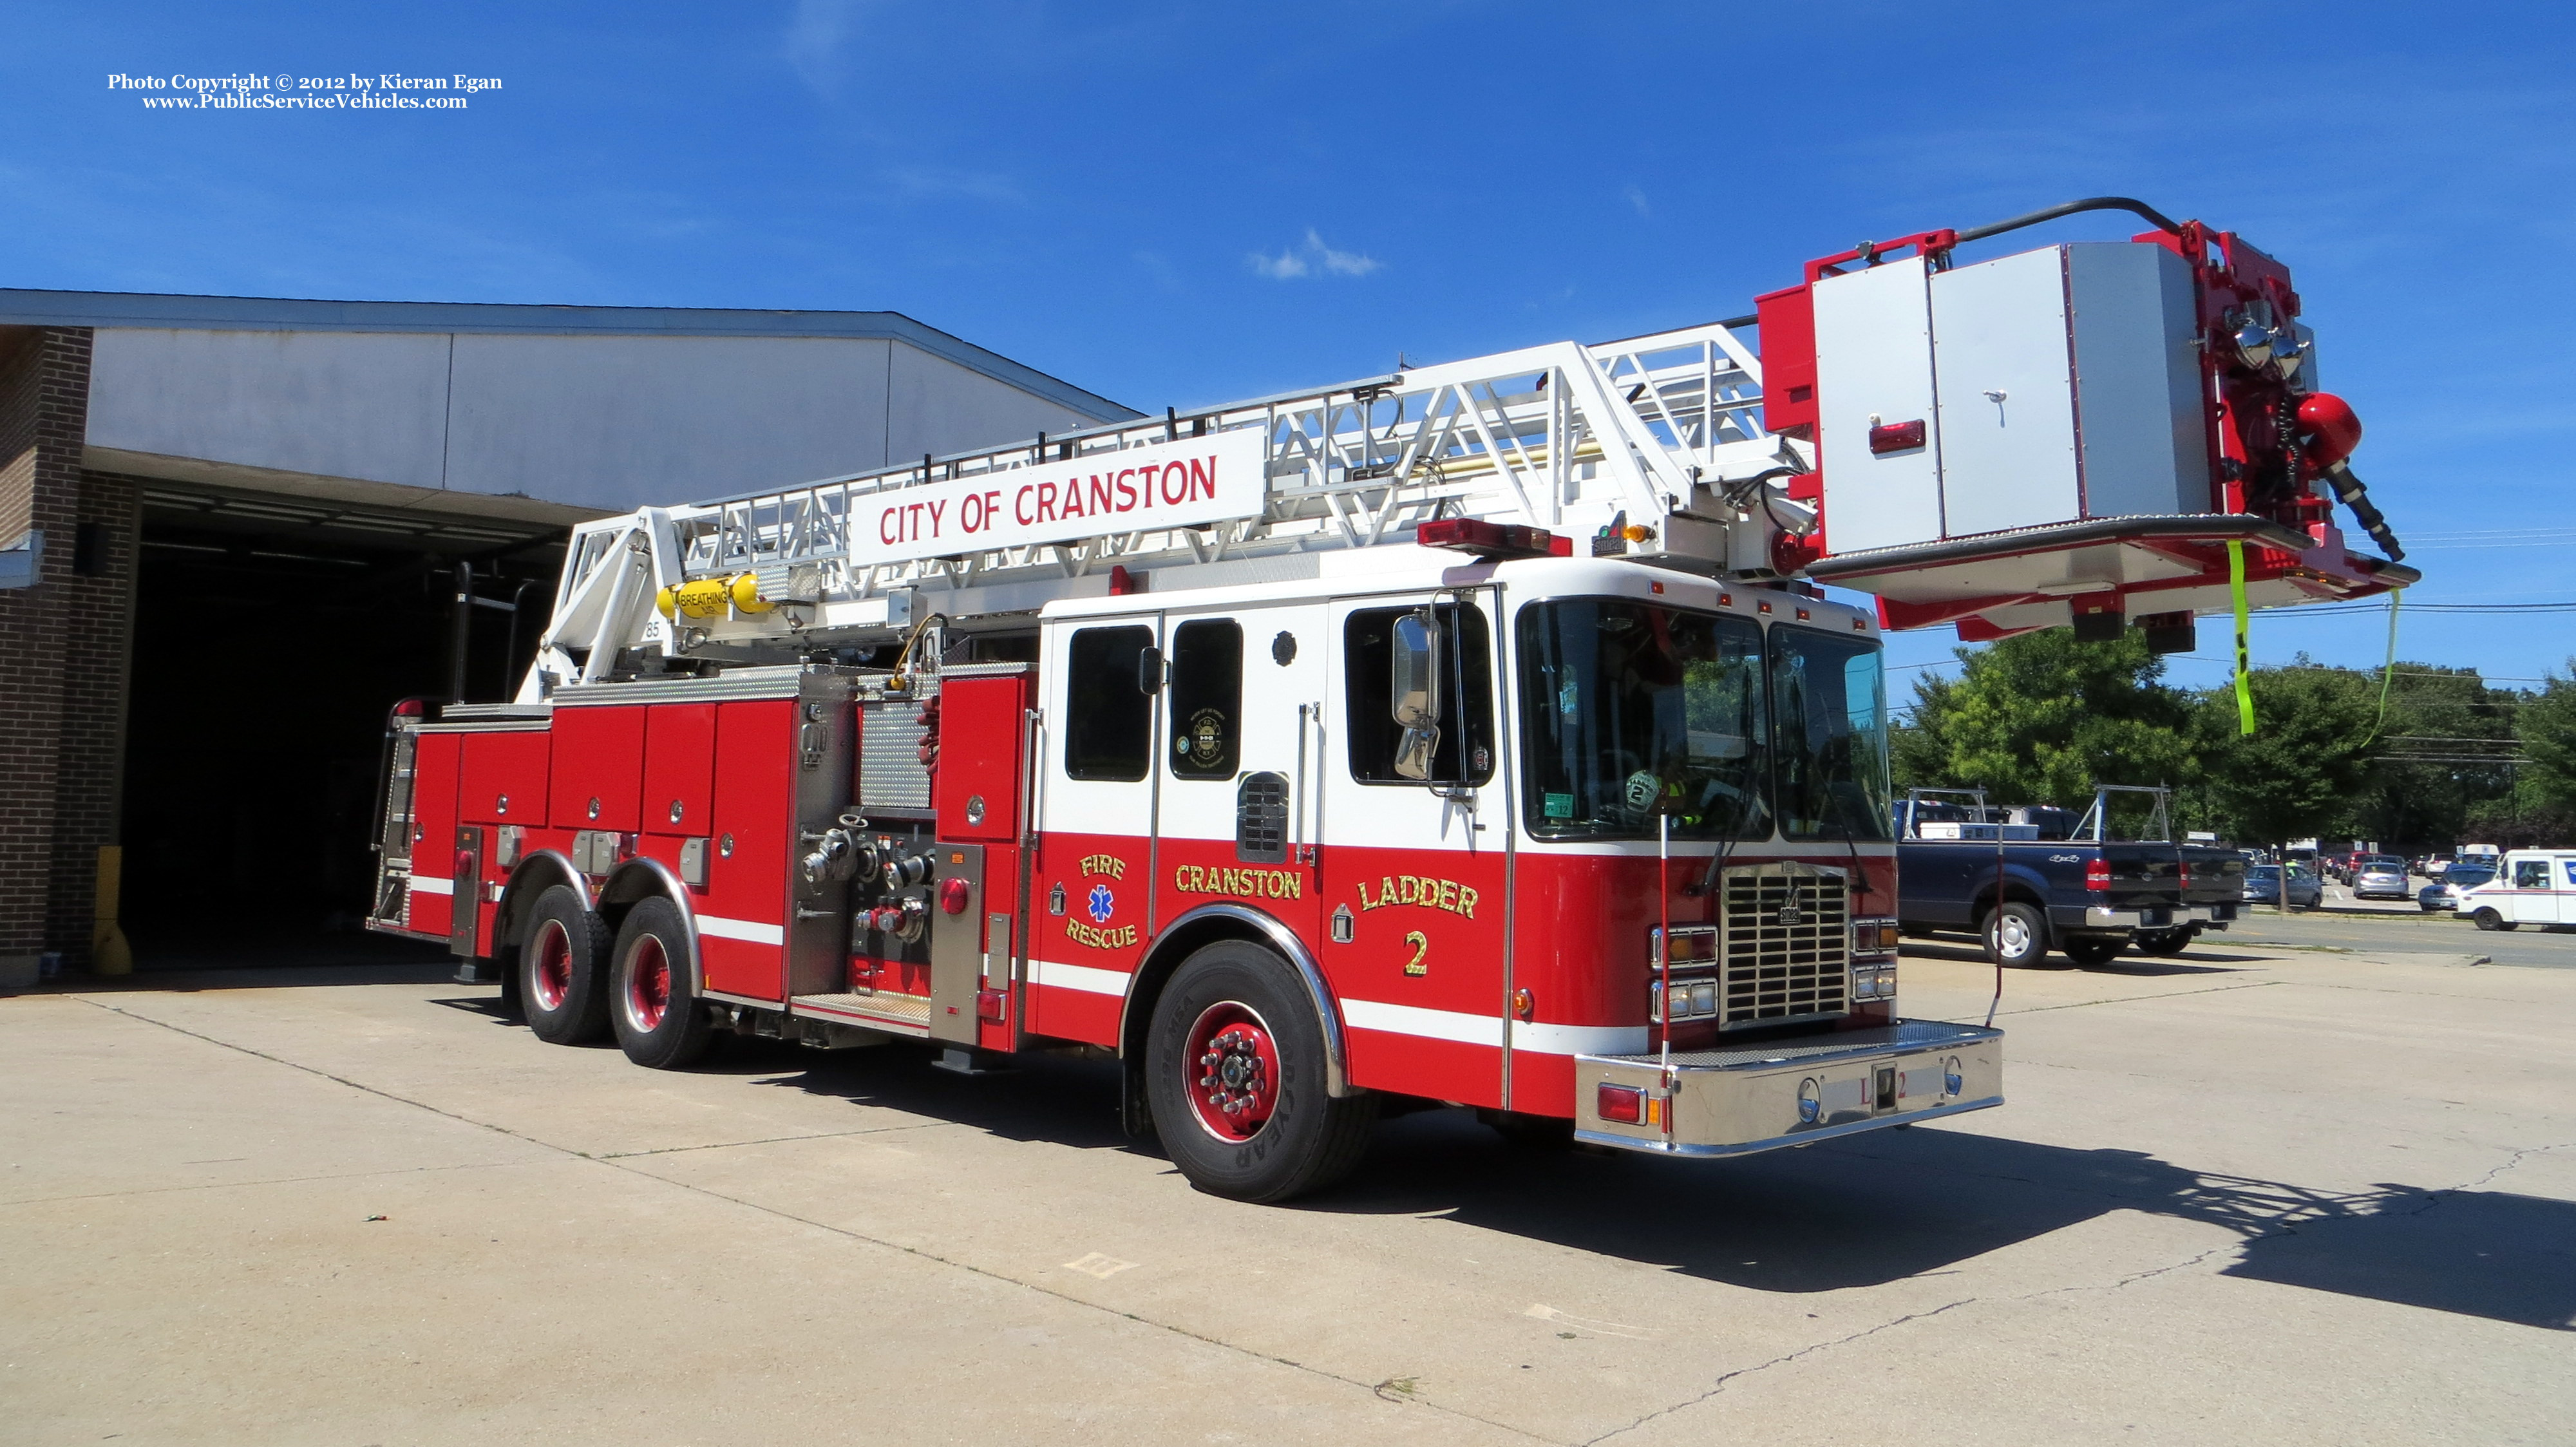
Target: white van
2533, 886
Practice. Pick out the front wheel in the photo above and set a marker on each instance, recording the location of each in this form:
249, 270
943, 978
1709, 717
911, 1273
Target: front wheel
1235, 1071
656, 1014
2016, 935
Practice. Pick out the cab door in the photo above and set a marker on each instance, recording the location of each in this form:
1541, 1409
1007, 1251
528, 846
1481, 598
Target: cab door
1415, 873
2535, 894
1090, 882
1238, 764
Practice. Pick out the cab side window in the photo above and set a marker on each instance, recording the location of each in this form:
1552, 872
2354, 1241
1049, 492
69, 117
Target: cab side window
1207, 698
2531, 874
1108, 714
1466, 693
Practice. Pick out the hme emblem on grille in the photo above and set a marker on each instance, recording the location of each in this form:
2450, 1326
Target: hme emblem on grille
1790, 916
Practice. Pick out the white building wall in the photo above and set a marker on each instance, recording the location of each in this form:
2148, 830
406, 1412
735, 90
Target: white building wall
598, 421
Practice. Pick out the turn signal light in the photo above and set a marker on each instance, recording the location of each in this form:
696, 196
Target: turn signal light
1625, 1104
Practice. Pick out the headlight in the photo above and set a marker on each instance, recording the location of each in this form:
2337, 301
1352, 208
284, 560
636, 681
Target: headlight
1692, 1000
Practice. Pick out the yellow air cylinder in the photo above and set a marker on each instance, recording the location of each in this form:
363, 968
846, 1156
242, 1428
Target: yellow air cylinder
700, 597
746, 594
662, 600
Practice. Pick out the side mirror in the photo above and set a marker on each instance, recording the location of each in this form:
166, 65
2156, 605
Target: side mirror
1414, 690
1414, 693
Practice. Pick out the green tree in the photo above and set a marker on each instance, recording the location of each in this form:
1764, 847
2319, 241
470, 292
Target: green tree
2440, 713
2546, 725
2039, 718
2298, 773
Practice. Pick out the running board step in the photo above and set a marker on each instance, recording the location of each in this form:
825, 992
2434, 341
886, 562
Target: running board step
892, 1013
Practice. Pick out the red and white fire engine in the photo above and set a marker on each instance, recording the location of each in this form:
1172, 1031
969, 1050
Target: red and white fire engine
1472, 734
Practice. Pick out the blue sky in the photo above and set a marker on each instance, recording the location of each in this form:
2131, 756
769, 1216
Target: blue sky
1180, 204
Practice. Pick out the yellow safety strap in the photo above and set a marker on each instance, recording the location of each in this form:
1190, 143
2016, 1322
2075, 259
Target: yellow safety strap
2244, 683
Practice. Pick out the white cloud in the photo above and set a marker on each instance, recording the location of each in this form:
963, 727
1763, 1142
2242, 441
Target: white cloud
1311, 259
1637, 198
813, 41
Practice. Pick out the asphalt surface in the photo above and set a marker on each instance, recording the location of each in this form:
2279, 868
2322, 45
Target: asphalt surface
2400, 926
2248, 1196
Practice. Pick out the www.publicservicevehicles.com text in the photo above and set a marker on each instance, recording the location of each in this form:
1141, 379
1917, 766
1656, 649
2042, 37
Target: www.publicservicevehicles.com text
381, 91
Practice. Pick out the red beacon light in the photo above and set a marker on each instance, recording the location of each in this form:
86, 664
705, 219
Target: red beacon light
1493, 540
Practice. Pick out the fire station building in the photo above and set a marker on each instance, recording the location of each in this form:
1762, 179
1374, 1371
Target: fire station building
232, 532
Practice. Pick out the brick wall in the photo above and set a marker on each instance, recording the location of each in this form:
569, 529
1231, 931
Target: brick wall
63, 650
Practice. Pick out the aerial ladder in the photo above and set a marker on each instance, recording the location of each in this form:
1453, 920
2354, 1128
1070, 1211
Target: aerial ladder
1925, 437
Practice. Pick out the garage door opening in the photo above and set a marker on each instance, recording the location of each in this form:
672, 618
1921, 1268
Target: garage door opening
268, 648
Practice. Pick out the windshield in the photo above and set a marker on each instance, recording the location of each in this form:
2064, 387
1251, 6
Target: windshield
1829, 711
1631, 710
2467, 875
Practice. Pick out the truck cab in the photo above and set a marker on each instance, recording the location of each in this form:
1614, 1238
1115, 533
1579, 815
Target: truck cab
2032, 878
2532, 886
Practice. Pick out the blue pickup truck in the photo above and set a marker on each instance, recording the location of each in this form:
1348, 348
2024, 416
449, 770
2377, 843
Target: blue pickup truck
2031, 879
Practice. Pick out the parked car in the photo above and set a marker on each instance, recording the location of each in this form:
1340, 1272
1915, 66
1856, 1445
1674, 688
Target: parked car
2379, 878
2263, 886
2444, 893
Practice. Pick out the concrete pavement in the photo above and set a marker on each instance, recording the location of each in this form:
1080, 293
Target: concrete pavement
2248, 1195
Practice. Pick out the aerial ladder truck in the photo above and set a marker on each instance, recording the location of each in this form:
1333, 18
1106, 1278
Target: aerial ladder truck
1476, 734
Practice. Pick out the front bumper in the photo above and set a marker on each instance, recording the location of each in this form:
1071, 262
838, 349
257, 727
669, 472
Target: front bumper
1733, 1102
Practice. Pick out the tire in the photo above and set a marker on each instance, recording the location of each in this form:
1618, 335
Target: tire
2015, 935
2488, 919
563, 970
2093, 953
654, 1012
2164, 943
1236, 1027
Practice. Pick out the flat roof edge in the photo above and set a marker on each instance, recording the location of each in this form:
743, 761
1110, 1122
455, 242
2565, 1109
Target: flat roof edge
154, 310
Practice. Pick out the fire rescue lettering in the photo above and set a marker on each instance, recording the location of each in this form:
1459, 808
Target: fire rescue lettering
1121, 938
1427, 892
1108, 864
1242, 883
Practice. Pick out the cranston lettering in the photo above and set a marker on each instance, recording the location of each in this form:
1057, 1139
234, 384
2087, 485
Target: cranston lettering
1421, 890
1125, 492
1241, 883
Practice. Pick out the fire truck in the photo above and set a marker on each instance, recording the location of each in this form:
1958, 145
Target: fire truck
1476, 734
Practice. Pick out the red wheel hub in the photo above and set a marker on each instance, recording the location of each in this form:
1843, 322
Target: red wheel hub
552, 979
1232, 1067
648, 985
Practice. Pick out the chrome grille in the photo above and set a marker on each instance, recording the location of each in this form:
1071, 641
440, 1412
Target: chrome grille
1777, 964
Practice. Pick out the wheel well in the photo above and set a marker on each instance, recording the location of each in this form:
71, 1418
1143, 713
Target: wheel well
2013, 894
535, 874
640, 879
1193, 932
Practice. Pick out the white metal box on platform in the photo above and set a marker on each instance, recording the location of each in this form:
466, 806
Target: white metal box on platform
2050, 386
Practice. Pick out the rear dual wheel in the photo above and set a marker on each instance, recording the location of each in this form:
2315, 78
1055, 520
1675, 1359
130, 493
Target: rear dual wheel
656, 1015
1235, 1073
563, 969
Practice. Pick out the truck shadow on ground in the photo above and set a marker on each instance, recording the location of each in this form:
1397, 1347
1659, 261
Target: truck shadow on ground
2201, 962
1917, 1203
1840, 1214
